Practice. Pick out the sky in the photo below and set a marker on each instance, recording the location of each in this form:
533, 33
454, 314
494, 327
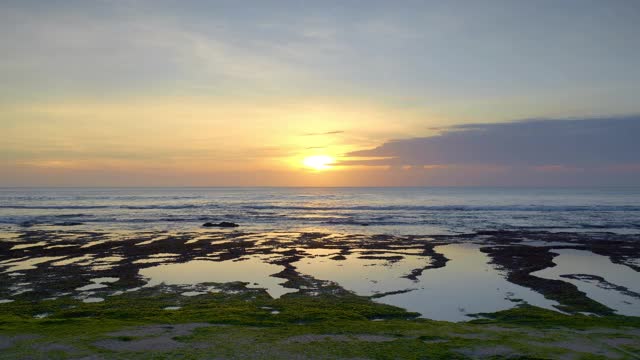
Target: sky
396, 93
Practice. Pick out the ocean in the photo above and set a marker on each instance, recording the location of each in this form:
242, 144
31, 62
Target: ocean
396, 211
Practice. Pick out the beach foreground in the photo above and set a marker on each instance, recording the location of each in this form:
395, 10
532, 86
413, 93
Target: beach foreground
234, 294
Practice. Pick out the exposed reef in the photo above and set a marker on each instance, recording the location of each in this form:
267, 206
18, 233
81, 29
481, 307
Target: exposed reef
52, 262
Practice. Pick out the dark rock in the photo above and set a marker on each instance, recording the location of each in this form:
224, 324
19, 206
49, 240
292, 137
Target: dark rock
224, 224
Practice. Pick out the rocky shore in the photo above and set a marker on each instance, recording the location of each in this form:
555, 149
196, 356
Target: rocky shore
50, 279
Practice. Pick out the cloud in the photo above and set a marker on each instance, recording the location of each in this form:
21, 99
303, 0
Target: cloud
325, 133
544, 144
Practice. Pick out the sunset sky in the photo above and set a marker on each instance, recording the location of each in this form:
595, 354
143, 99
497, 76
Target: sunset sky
388, 93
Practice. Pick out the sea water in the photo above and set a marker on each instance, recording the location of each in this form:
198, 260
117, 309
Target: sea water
362, 210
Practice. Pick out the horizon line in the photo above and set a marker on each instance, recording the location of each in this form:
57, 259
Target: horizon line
316, 187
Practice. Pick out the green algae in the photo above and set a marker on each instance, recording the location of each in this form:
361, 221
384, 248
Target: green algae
243, 325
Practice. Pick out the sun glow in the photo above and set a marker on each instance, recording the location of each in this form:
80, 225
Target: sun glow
318, 162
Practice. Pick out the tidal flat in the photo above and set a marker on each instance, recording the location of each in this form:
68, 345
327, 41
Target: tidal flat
68, 293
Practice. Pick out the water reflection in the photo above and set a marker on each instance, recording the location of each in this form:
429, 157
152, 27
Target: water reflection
466, 285
580, 262
27, 263
253, 270
364, 276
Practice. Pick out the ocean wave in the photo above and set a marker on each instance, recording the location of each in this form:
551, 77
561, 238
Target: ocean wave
367, 222
95, 207
541, 208
166, 207
55, 207
96, 198
262, 209
64, 216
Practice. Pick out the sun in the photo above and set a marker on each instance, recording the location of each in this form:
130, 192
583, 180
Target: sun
318, 162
